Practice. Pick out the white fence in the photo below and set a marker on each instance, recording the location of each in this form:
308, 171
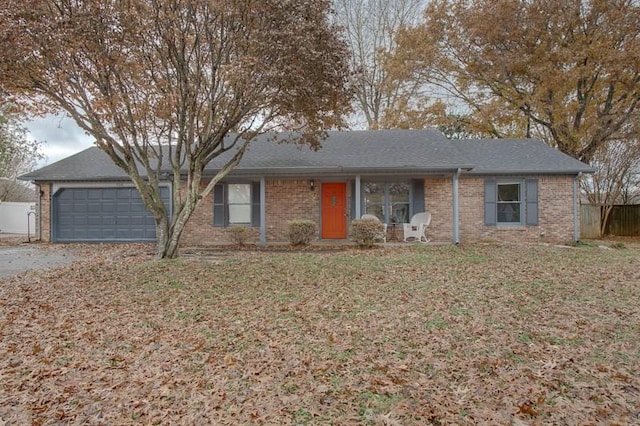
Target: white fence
14, 216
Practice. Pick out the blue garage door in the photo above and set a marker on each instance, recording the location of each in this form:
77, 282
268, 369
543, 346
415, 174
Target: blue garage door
102, 214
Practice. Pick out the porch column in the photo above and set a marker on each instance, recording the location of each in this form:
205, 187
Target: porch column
356, 196
456, 232
263, 211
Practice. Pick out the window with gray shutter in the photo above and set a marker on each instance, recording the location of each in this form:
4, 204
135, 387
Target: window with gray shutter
235, 203
511, 202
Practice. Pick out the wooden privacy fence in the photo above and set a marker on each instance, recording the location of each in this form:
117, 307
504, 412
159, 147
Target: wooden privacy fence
624, 221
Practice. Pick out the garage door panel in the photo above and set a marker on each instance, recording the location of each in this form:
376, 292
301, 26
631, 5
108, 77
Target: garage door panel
138, 208
123, 207
94, 220
80, 195
123, 193
94, 207
137, 221
94, 234
94, 194
123, 221
102, 214
79, 207
66, 208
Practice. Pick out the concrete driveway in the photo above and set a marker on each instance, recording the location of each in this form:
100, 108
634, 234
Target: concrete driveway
16, 259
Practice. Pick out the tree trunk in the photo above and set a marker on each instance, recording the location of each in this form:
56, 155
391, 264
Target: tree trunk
168, 233
605, 212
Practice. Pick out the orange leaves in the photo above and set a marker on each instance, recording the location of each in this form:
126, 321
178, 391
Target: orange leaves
564, 71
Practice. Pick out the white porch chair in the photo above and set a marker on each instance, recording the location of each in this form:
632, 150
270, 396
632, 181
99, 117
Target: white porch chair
383, 235
417, 227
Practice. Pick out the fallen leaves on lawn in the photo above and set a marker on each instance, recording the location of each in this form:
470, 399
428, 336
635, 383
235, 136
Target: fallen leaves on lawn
490, 334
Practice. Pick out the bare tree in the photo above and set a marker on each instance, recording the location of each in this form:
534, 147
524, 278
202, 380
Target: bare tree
172, 84
615, 181
371, 28
18, 155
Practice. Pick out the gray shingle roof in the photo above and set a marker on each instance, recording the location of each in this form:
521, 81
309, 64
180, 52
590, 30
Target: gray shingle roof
361, 152
353, 151
524, 156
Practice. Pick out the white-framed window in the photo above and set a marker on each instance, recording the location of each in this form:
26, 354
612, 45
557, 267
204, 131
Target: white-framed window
239, 202
509, 203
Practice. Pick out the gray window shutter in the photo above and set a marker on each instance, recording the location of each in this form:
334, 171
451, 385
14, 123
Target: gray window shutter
490, 207
219, 210
417, 196
255, 204
532, 201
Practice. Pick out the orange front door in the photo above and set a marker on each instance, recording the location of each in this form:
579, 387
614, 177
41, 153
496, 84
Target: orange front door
334, 210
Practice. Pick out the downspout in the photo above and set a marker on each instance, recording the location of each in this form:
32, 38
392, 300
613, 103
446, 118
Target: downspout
356, 196
576, 220
39, 215
263, 211
456, 231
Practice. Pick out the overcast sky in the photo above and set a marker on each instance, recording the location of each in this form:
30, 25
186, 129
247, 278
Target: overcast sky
60, 137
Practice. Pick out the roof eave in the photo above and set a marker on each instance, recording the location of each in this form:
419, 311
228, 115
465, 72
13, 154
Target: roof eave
530, 172
339, 171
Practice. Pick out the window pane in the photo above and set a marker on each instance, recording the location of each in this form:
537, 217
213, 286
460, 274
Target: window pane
399, 202
239, 213
399, 213
239, 199
239, 193
374, 199
509, 212
376, 210
509, 192
399, 192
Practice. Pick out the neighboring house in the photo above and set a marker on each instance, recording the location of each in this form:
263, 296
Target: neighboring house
511, 189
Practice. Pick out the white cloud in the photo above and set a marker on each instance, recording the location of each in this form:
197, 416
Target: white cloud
60, 137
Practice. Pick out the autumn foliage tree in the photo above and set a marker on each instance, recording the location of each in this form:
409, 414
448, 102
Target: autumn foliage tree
566, 71
197, 77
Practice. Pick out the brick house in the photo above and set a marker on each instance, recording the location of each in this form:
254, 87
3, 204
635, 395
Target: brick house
507, 189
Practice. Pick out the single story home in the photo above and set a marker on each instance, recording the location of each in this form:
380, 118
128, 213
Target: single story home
500, 189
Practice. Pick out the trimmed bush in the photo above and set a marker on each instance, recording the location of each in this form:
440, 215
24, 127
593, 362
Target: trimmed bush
366, 232
240, 234
301, 232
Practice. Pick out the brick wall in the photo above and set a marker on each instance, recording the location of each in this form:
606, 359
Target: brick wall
200, 231
555, 211
285, 200
290, 200
45, 211
439, 202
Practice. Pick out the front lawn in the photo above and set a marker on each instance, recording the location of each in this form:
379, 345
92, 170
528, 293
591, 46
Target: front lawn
493, 334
